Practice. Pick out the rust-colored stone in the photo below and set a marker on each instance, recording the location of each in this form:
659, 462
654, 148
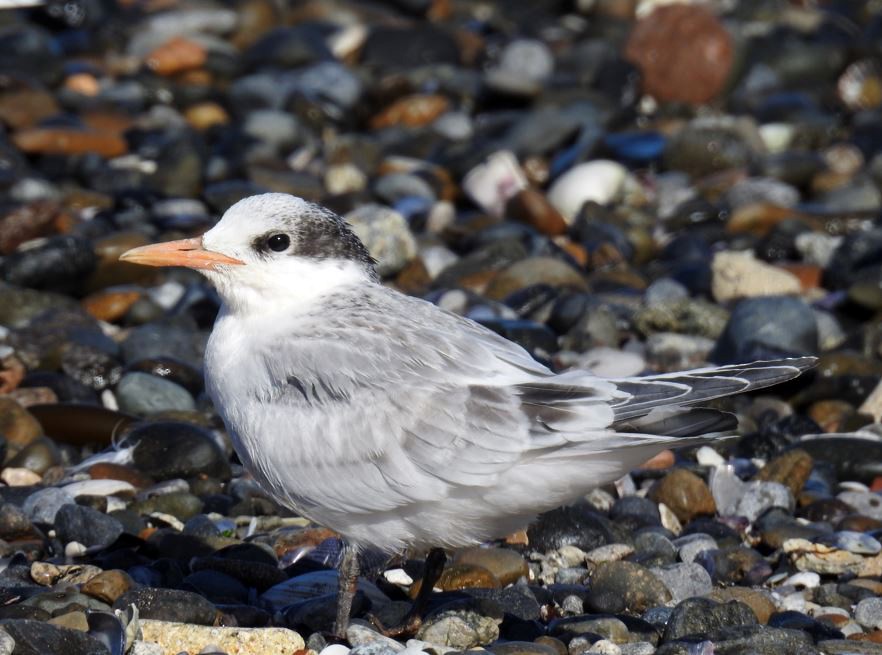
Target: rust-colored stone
110, 305
175, 56
110, 471
68, 141
684, 53
411, 111
530, 206
685, 494
83, 83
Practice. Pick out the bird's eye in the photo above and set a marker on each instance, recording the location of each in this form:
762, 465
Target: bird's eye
278, 242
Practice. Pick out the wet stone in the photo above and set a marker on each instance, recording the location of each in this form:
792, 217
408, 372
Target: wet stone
86, 526
42, 505
684, 580
169, 605
505, 565
171, 449
620, 586
701, 616
37, 637
141, 393
685, 494
460, 629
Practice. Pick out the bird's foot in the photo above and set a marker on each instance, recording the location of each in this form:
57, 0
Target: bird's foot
408, 627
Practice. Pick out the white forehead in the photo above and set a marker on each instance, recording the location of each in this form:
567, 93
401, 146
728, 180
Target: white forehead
255, 215
265, 207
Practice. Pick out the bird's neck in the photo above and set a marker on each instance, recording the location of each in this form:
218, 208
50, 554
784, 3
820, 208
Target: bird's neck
268, 291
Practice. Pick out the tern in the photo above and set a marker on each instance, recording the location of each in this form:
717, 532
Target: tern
399, 424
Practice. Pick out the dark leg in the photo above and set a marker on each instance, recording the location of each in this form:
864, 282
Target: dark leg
348, 582
435, 561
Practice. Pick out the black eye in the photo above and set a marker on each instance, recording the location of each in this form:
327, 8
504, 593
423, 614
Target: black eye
278, 242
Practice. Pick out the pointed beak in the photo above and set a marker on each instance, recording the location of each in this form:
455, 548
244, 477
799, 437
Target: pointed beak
185, 252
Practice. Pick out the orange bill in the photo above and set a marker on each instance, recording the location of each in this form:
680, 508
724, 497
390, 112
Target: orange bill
185, 252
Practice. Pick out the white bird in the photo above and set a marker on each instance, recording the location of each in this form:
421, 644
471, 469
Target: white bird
396, 423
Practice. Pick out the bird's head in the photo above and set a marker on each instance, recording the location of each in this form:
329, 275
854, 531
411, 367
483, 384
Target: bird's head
269, 251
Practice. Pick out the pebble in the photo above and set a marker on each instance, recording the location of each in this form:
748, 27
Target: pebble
619, 586
141, 393
741, 275
178, 637
459, 629
685, 494
86, 526
166, 605
684, 580
596, 181
683, 51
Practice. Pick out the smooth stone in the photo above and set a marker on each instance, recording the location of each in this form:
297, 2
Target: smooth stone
684, 316
157, 340
360, 636
47, 574
570, 526
38, 456
636, 508
849, 647
507, 566
58, 264
108, 586
868, 613
687, 150
689, 546
142, 393
791, 469
683, 51
7, 643
175, 637
758, 600
705, 617
534, 271
460, 629
43, 504
86, 526
668, 351
767, 328
740, 275
597, 181
620, 586
17, 424
684, 580
169, 605
759, 496
166, 450
610, 628
386, 235
39, 638
181, 505
524, 648
13, 523
686, 494
851, 541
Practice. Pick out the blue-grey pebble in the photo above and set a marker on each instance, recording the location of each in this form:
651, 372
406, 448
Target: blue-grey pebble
684, 580
142, 393
42, 505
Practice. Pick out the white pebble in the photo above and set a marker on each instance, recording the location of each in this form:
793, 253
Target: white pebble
74, 549
398, 576
707, 456
598, 181
805, 579
335, 649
